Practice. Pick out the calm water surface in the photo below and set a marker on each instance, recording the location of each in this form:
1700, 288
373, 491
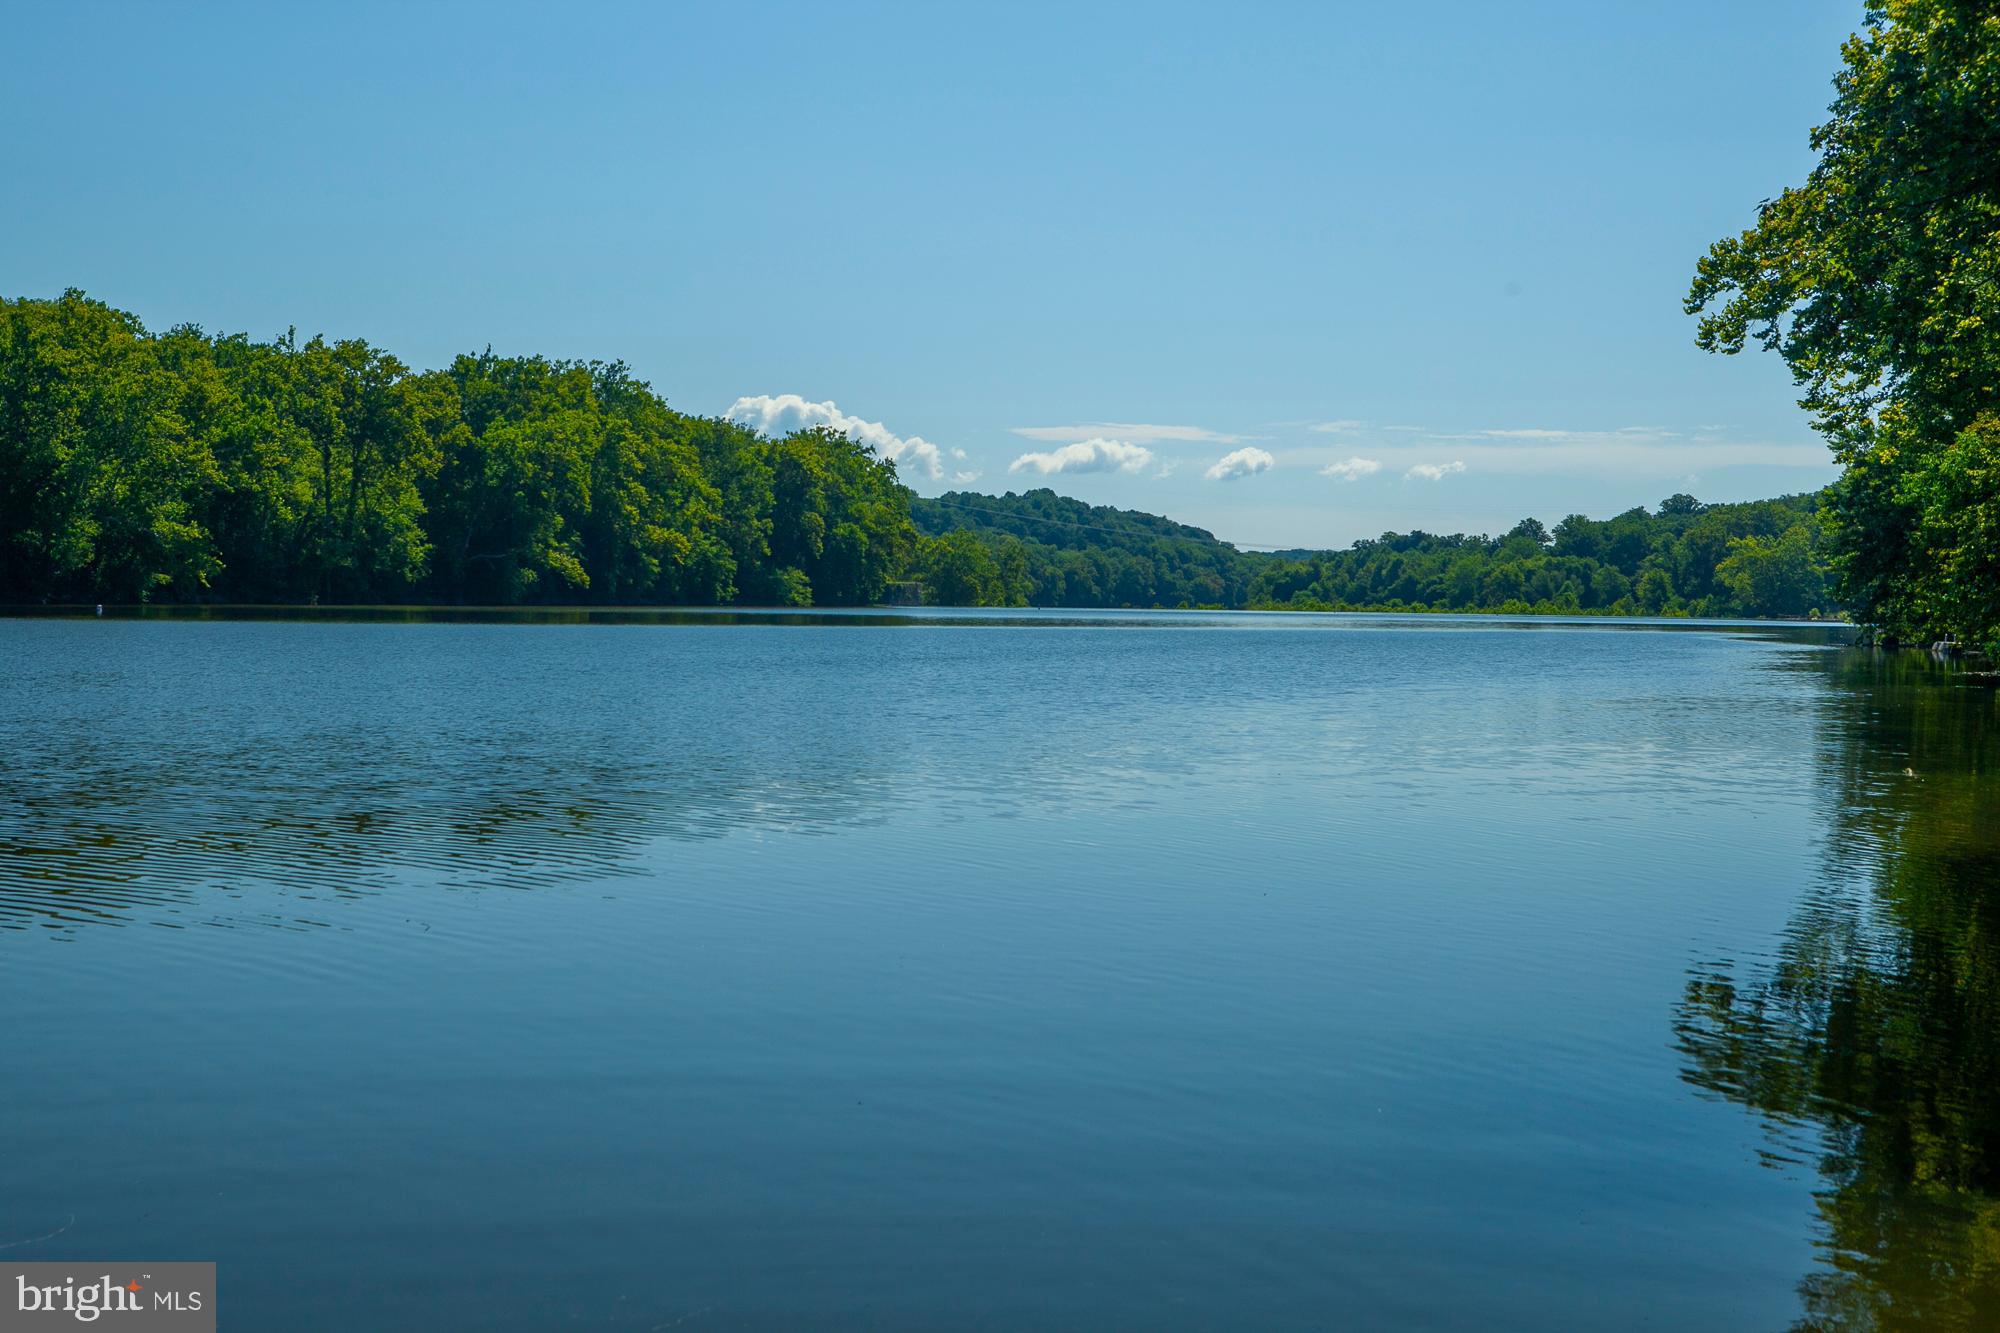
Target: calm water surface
1002, 972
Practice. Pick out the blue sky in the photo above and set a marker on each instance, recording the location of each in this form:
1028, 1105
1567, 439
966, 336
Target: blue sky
1123, 244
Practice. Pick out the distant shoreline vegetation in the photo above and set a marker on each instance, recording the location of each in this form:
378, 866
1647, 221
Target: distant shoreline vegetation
187, 468
1755, 560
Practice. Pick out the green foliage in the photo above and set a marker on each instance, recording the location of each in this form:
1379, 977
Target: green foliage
1636, 563
184, 466
1780, 576
1670, 563
572, 482
106, 457
958, 569
839, 517
1055, 551
1954, 493
1878, 281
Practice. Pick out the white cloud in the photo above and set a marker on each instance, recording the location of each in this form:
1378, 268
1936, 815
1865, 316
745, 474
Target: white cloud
1093, 455
1352, 469
1435, 471
1242, 463
774, 414
1133, 431
1341, 427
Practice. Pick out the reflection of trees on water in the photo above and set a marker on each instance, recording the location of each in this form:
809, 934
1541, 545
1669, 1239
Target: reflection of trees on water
1878, 1024
260, 776
100, 841
234, 772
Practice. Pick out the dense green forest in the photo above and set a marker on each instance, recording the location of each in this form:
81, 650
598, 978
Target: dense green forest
1878, 282
1756, 559
1044, 549
187, 467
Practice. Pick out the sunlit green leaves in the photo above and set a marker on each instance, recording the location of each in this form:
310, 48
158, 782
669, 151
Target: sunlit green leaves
1878, 280
189, 466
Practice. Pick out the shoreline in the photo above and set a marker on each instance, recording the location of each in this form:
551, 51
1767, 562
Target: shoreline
573, 613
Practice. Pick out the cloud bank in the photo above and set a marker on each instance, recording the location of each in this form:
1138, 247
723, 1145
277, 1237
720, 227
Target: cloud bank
1242, 463
774, 414
1093, 455
1352, 469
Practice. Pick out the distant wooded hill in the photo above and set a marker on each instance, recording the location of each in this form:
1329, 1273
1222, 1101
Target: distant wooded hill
1761, 558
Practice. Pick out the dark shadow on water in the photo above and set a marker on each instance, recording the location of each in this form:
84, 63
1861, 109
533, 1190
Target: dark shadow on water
1874, 1033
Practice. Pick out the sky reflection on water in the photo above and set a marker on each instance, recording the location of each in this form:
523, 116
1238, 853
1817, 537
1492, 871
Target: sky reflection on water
1123, 976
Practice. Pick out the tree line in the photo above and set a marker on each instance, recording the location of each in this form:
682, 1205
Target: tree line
1764, 558
188, 467
1044, 549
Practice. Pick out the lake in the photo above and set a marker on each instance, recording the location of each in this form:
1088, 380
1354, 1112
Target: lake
902, 971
